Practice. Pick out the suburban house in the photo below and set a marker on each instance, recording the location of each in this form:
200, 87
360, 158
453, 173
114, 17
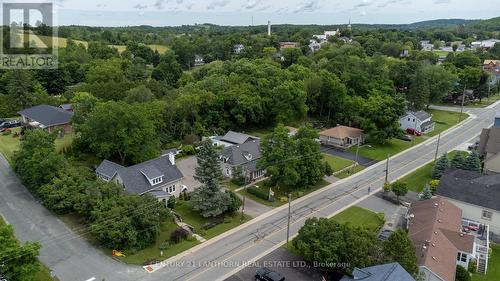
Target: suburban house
493, 68
489, 148
342, 137
314, 45
477, 195
485, 44
443, 240
232, 138
244, 155
420, 121
159, 177
384, 272
292, 131
198, 60
426, 45
288, 45
238, 48
47, 117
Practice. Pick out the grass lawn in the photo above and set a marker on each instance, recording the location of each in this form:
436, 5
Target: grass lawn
9, 144
230, 185
418, 179
282, 192
360, 217
350, 172
484, 102
197, 221
443, 121
153, 252
337, 163
493, 273
441, 53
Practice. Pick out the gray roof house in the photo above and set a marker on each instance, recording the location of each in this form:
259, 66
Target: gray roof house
46, 116
245, 155
420, 121
159, 177
384, 272
232, 138
477, 195
489, 148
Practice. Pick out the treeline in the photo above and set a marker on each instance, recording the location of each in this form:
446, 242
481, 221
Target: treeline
117, 220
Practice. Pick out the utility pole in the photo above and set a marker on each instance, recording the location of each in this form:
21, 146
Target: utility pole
462, 107
289, 214
387, 169
357, 153
437, 147
243, 205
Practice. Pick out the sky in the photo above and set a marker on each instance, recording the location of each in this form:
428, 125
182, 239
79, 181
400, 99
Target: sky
241, 12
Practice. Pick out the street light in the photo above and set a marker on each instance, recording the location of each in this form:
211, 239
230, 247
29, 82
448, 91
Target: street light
357, 151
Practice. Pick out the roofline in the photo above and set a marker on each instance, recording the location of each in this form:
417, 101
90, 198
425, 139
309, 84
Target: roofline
163, 184
435, 274
474, 205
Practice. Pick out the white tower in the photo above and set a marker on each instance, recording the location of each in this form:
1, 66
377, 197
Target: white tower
268, 28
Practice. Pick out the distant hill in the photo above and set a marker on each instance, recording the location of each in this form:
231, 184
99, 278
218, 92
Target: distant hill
488, 25
440, 23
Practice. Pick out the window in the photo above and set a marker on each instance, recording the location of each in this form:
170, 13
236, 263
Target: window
408, 118
462, 257
413, 119
157, 180
487, 215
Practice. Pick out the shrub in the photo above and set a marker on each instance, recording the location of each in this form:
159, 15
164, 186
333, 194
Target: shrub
178, 235
462, 274
472, 266
171, 202
164, 245
283, 199
188, 150
257, 192
328, 170
434, 185
234, 204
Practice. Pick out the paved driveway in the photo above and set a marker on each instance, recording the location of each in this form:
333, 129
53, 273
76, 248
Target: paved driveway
187, 166
363, 161
393, 213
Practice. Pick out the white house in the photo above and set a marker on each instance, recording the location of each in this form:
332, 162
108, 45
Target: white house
198, 60
238, 48
421, 121
477, 195
245, 156
158, 177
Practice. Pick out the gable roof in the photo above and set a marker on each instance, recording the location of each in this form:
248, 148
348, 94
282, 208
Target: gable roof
491, 62
47, 115
136, 178
341, 132
471, 187
434, 228
420, 115
384, 272
108, 168
242, 154
489, 141
237, 138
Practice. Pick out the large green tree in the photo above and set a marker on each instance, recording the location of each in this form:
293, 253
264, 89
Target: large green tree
120, 129
399, 248
209, 199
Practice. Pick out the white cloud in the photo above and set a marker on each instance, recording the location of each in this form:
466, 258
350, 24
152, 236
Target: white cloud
307, 6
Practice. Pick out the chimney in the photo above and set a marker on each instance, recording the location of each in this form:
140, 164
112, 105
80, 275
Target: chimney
268, 28
171, 157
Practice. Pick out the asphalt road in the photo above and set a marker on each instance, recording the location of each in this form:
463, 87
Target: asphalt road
73, 259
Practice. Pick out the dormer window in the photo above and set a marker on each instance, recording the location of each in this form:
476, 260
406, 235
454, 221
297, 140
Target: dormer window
247, 155
156, 180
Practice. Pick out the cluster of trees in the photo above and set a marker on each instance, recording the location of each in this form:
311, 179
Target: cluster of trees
18, 262
471, 162
326, 241
293, 160
116, 219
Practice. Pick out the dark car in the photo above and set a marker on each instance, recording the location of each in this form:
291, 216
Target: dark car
474, 146
384, 234
265, 274
10, 124
406, 137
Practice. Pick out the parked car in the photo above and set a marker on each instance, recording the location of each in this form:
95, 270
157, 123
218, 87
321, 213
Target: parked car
384, 234
265, 274
473, 146
10, 124
413, 132
406, 137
